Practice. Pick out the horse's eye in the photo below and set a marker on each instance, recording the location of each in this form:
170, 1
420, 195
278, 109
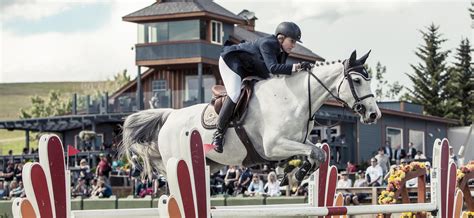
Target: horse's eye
357, 81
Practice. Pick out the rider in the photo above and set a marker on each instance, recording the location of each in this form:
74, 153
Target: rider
259, 58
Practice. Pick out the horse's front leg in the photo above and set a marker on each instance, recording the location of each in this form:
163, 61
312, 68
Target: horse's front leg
285, 148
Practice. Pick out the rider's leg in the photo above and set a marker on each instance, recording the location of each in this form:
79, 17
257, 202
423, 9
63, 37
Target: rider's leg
232, 83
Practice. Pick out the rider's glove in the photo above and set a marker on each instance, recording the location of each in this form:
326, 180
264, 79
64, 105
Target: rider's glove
305, 66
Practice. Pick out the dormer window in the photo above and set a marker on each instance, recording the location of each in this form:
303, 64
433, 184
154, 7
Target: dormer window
216, 32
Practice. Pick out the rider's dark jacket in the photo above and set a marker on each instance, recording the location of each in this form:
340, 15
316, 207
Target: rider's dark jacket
257, 58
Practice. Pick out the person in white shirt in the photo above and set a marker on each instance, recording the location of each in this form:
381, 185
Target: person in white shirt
344, 181
419, 156
272, 186
383, 161
374, 173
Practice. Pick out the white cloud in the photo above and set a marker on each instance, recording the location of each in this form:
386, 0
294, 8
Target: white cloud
56, 56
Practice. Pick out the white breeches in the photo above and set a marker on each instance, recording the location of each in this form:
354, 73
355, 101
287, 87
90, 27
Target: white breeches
232, 80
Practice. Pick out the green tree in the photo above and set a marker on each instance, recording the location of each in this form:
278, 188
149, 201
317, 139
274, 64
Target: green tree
430, 77
53, 105
459, 90
384, 90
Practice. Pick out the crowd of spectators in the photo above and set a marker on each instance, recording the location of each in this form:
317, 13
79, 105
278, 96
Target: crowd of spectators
262, 180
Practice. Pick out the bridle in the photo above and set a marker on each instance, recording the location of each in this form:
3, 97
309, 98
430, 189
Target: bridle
358, 107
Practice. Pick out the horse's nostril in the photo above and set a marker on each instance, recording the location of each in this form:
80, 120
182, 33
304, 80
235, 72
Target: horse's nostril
373, 116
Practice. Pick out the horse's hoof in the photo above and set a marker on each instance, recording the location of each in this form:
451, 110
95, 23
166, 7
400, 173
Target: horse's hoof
303, 171
284, 181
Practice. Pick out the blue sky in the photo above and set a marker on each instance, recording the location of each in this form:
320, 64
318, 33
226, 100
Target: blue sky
75, 18
61, 40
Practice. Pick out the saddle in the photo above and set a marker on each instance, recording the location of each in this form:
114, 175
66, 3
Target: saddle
212, 110
210, 115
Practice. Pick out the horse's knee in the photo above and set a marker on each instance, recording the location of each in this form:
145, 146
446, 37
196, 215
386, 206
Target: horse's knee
318, 155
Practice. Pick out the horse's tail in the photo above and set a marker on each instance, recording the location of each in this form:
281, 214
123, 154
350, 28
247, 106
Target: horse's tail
140, 136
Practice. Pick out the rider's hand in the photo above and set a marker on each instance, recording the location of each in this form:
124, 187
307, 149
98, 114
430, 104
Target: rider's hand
305, 66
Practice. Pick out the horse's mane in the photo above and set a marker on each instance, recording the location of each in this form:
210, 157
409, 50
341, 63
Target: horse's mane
322, 63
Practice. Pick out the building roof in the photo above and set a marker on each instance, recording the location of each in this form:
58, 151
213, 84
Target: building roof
177, 7
405, 114
243, 34
62, 123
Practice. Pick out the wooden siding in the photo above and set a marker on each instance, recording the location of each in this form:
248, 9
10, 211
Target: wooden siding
371, 137
176, 82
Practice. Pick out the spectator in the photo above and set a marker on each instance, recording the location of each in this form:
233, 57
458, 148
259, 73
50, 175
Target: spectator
388, 150
344, 181
12, 185
93, 186
452, 155
351, 168
411, 151
2, 190
85, 170
419, 156
81, 188
102, 190
8, 176
266, 169
400, 153
245, 179
103, 168
217, 181
374, 173
272, 186
255, 187
158, 184
230, 180
17, 189
383, 161
18, 172
360, 182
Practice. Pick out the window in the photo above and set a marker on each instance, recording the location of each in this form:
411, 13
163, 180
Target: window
184, 30
171, 31
159, 85
216, 32
157, 32
395, 136
417, 137
141, 33
191, 92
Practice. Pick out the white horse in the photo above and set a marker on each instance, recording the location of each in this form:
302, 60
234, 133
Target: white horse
276, 120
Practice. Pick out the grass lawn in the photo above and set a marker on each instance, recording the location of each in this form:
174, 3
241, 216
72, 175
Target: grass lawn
14, 96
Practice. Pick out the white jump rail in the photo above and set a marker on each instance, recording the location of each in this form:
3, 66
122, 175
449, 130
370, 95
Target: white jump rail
189, 187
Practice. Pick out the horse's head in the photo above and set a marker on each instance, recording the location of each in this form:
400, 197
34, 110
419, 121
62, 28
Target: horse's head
354, 89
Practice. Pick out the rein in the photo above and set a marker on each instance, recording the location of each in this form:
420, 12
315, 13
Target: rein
358, 107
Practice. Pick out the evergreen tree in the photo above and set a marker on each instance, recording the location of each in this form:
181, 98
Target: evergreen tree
430, 76
459, 90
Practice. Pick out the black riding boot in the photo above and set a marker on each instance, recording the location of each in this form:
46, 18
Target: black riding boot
225, 116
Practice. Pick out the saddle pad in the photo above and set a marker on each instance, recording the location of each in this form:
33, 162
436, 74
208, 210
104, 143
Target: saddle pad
209, 117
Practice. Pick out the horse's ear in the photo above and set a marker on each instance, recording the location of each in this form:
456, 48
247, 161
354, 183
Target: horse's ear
362, 60
352, 59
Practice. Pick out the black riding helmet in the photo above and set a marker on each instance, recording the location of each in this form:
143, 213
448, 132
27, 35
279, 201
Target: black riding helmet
289, 29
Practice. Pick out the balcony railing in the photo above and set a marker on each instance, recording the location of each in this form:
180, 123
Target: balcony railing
127, 102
